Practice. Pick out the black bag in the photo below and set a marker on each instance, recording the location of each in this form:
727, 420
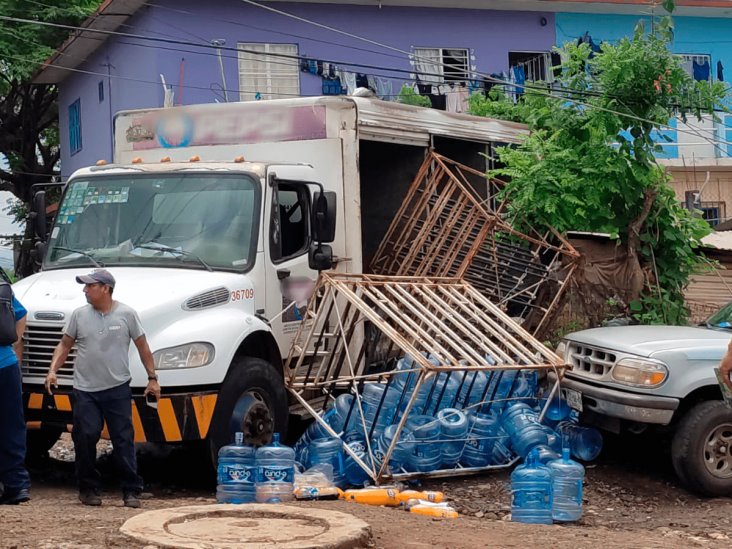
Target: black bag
8, 333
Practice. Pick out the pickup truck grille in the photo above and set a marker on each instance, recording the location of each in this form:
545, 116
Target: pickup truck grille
40, 341
590, 361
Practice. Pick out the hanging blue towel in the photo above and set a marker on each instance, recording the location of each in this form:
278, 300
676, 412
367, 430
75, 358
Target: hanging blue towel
701, 71
720, 71
520, 76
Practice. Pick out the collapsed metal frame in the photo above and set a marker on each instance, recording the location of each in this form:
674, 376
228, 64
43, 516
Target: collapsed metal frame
444, 228
445, 319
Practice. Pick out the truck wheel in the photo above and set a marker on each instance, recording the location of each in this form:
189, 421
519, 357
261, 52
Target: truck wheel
38, 442
701, 450
252, 400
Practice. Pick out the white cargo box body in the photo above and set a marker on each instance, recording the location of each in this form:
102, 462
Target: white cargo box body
323, 132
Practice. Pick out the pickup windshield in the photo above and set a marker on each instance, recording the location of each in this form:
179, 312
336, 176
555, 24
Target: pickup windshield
197, 221
722, 318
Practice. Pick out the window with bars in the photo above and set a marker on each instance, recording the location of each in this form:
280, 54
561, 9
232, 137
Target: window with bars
442, 65
713, 212
697, 65
536, 66
268, 71
75, 127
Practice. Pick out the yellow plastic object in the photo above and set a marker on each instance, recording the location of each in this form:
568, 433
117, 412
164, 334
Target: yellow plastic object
426, 495
101, 162
434, 511
373, 496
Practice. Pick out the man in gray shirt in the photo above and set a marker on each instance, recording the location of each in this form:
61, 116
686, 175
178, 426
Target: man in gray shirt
102, 331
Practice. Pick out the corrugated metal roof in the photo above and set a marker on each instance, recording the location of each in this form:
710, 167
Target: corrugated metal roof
722, 240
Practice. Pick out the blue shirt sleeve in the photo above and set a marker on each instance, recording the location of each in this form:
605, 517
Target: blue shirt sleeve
20, 311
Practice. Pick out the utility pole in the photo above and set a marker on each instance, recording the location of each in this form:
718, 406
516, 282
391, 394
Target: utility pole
218, 43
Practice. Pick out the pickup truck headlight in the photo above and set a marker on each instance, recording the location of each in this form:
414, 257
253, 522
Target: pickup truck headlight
190, 355
639, 372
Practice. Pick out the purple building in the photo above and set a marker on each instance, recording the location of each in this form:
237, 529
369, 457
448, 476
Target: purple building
231, 50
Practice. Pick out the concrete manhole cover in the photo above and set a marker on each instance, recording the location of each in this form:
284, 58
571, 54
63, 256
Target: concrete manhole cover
248, 526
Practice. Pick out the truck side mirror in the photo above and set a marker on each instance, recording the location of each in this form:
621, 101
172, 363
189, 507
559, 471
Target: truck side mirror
39, 214
320, 257
324, 216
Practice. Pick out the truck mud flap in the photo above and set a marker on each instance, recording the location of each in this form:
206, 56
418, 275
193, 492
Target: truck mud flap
178, 417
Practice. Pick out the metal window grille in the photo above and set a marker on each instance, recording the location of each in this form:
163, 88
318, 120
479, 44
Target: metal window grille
688, 60
264, 72
442, 65
536, 65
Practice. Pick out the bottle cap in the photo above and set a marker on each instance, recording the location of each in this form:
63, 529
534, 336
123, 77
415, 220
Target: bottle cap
239, 438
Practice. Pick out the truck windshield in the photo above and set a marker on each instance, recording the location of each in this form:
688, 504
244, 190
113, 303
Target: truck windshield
722, 318
198, 221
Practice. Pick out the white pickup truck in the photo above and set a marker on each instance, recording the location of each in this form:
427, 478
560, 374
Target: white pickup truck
659, 377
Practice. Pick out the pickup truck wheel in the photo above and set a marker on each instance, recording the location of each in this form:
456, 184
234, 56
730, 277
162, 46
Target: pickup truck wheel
701, 450
252, 400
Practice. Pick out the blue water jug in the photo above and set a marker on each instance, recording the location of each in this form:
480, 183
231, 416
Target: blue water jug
380, 407
526, 387
275, 472
444, 392
454, 427
584, 442
481, 438
426, 455
236, 472
401, 452
531, 490
330, 451
354, 473
473, 388
500, 387
567, 477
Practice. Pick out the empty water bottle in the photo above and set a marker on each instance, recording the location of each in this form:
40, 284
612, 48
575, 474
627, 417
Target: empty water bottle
236, 472
380, 407
330, 451
531, 489
454, 426
275, 472
567, 477
481, 438
403, 448
425, 432
500, 387
473, 388
584, 442
354, 473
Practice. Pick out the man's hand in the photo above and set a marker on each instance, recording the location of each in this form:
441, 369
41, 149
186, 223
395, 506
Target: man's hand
153, 387
51, 380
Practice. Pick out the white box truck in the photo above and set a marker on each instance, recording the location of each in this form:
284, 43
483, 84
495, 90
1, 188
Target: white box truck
209, 219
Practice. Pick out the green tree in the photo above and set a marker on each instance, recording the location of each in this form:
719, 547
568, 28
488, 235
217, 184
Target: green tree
28, 113
589, 162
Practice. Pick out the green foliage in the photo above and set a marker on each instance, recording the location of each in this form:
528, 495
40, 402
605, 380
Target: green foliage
410, 97
589, 162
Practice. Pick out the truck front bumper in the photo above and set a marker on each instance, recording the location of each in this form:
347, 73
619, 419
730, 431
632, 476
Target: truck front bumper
621, 404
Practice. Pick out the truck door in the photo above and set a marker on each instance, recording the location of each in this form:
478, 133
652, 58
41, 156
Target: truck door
289, 279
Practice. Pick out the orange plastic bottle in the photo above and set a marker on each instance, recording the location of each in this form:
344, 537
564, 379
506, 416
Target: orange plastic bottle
434, 511
373, 496
426, 495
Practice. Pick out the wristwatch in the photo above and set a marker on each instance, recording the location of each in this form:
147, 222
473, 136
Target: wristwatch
152, 378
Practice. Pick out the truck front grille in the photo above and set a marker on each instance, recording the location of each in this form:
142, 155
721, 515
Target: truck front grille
590, 361
39, 342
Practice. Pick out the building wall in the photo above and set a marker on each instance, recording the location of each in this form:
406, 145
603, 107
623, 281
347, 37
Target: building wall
195, 76
714, 182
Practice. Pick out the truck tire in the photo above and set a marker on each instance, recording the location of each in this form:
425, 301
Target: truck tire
253, 400
38, 442
701, 450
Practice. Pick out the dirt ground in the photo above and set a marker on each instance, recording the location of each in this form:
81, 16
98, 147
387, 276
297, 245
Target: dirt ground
631, 500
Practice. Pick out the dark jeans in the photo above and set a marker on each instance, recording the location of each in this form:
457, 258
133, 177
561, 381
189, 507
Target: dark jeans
91, 410
12, 431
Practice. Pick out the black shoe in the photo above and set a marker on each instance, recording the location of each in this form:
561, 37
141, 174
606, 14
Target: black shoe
14, 497
131, 499
90, 497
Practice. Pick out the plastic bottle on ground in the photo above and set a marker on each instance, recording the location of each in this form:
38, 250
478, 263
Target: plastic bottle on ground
567, 477
373, 496
275, 472
236, 472
584, 442
531, 489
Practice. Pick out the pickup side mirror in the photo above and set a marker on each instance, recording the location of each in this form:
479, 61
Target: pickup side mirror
320, 257
39, 214
324, 216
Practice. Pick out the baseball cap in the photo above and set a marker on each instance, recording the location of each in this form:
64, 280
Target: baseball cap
102, 276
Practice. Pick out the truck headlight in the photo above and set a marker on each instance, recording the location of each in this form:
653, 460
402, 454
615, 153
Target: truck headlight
190, 355
639, 372
562, 349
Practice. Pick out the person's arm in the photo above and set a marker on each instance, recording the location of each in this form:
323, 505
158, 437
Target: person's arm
725, 367
148, 362
18, 345
60, 353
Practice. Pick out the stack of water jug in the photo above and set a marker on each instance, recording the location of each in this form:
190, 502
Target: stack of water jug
547, 493
458, 419
264, 474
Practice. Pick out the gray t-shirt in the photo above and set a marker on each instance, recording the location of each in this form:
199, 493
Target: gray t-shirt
102, 345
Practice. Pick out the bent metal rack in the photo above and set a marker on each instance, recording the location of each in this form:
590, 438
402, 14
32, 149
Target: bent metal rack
357, 326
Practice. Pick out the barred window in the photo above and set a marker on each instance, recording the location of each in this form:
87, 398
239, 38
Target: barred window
268, 71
